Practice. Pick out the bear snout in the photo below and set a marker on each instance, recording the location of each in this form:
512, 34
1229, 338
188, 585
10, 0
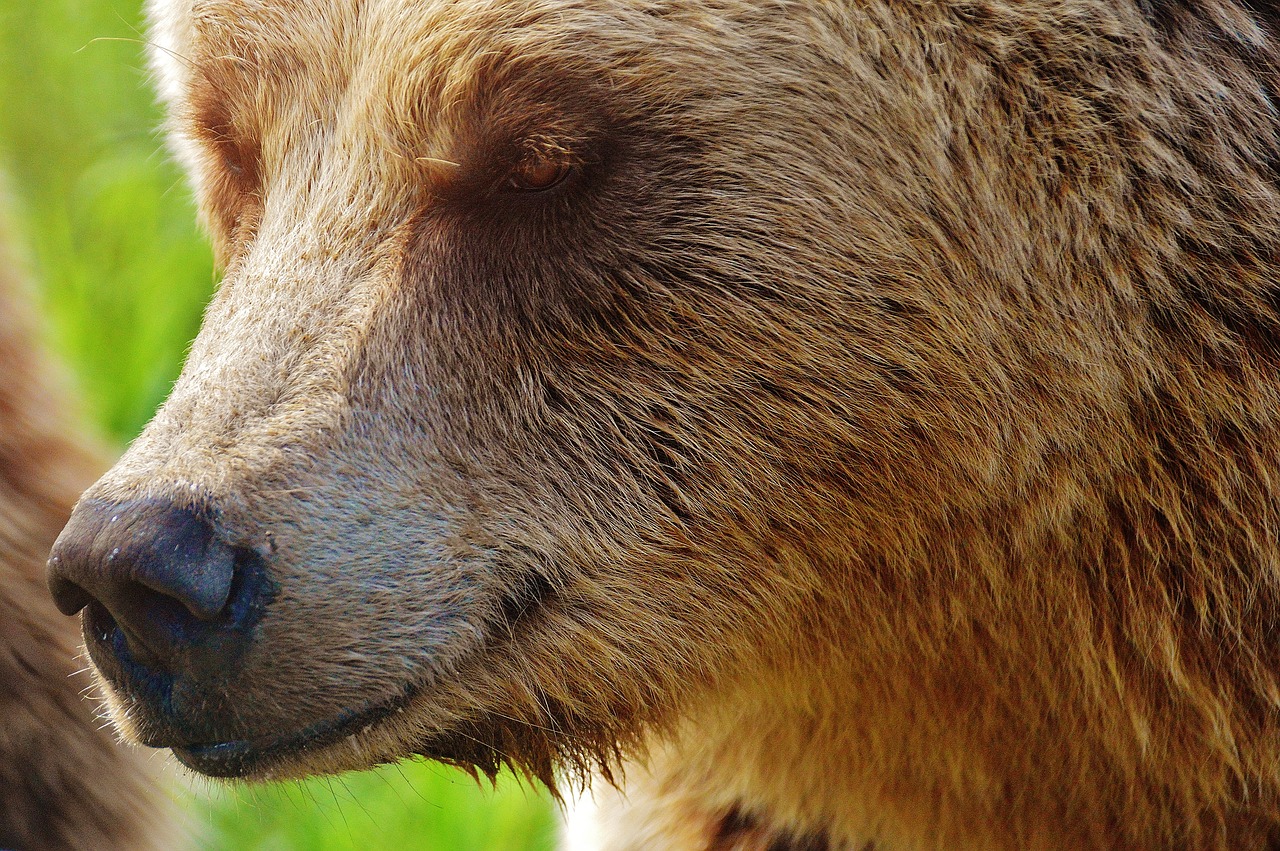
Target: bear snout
162, 591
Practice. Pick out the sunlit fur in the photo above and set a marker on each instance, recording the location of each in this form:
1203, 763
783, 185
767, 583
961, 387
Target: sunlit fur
874, 439
65, 783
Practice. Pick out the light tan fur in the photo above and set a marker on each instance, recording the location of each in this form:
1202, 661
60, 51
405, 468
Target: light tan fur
873, 441
65, 783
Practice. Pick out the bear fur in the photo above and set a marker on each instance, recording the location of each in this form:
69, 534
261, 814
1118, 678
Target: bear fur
839, 425
65, 783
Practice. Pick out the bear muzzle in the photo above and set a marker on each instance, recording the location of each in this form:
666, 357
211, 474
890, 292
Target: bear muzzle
170, 607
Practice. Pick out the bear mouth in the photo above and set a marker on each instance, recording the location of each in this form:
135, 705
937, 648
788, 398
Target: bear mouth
258, 757
255, 757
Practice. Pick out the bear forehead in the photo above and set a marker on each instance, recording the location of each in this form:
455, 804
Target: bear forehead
417, 76
332, 42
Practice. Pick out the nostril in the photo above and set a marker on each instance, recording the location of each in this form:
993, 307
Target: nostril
156, 629
69, 597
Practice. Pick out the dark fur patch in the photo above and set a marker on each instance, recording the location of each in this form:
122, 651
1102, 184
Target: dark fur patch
741, 831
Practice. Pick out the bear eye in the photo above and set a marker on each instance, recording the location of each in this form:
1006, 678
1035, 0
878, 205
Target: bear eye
237, 157
233, 159
538, 173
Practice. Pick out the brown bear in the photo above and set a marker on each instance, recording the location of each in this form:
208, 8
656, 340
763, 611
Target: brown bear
65, 783
840, 425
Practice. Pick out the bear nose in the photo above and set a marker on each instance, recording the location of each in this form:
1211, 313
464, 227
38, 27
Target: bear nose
159, 570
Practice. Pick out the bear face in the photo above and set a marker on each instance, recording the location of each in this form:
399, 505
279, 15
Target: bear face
459, 416
582, 367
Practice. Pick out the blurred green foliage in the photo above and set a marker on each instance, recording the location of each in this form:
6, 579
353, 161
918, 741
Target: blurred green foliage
414, 805
124, 273
105, 213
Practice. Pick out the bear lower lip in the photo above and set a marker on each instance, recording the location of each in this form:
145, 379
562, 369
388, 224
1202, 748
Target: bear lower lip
228, 759
245, 757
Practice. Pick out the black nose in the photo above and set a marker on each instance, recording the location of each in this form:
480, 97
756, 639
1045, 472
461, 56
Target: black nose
161, 573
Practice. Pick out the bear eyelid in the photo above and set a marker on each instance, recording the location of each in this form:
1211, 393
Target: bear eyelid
231, 152
538, 173
232, 160
542, 162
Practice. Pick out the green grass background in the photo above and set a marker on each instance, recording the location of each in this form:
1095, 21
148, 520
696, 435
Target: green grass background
107, 226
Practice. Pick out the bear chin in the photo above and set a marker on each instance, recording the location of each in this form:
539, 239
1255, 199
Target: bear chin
270, 755
356, 740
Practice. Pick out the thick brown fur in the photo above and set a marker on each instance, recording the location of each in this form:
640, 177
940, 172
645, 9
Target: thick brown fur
66, 784
875, 439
